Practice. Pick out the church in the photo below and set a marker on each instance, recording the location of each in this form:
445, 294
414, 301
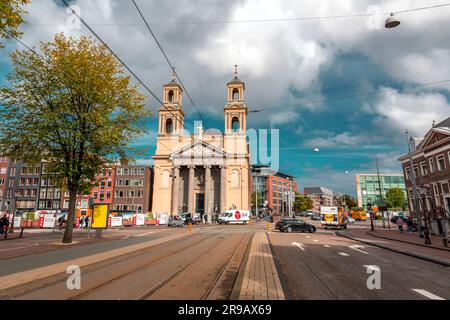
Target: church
207, 172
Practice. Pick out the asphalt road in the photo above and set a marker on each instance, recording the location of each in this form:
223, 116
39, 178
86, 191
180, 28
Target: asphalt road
192, 267
325, 266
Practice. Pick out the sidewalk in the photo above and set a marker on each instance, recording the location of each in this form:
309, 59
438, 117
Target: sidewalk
410, 245
261, 281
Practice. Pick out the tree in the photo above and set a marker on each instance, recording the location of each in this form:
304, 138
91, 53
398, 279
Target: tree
395, 198
302, 203
11, 12
72, 107
260, 200
350, 201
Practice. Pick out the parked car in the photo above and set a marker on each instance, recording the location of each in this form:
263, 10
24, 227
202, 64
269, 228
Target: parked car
175, 221
309, 213
395, 218
294, 225
350, 219
315, 217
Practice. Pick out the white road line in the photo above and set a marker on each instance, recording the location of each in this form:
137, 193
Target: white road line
299, 245
344, 254
13, 248
358, 248
326, 246
308, 236
428, 294
315, 240
144, 234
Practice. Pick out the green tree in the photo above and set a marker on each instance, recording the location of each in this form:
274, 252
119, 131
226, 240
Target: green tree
260, 200
11, 12
350, 201
73, 107
395, 198
302, 203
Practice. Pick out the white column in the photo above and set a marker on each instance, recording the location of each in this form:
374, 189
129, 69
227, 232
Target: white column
208, 195
175, 190
191, 194
223, 184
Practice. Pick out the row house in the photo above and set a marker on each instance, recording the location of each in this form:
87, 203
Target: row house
431, 169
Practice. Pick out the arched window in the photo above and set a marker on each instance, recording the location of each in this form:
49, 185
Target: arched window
235, 94
169, 126
235, 124
170, 96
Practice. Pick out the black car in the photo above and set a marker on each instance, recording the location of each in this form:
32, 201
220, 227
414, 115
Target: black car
394, 219
294, 225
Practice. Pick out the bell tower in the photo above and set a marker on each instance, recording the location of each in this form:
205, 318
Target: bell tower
235, 110
171, 116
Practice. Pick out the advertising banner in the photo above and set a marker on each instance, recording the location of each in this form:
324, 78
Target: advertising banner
139, 219
47, 221
17, 222
163, 218
115, 221
127, 218
100, 216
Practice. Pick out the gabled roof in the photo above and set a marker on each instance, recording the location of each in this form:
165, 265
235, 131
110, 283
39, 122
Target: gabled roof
442, 128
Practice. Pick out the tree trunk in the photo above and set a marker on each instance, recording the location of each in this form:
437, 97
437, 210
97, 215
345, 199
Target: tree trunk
69, 224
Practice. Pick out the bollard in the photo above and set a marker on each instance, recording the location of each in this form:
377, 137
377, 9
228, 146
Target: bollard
190, 228
268, 226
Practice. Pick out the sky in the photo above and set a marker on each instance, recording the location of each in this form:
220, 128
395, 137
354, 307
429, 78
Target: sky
345, 85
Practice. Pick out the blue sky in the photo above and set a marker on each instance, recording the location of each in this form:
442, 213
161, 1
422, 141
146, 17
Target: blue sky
310, 65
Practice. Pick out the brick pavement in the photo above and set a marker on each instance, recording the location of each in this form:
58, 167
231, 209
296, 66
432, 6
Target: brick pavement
261, 281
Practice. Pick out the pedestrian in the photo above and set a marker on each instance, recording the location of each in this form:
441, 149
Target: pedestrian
2, 223
81, 222
400, 223
410, 225
86, 223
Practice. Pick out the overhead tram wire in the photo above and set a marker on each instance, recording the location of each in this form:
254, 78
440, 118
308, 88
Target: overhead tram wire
168, 60
356, 15
348, 97
119, 59
39, 56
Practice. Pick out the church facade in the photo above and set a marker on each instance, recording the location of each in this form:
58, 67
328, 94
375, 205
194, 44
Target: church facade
207, 172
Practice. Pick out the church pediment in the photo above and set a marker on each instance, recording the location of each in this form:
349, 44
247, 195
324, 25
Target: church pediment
199, 149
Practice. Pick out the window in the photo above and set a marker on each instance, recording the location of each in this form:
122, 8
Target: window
416, 171
170, 96
143, 170
431, 162
109, 183
108, 195
235, 124
235, 94
169, 126
441, 163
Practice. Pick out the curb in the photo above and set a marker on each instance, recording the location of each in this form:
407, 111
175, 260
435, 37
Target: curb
441, 261
417, 244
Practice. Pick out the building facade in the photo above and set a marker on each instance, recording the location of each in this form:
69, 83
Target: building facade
103, 192
132, 190
276, 189
321, 196
23, 183
207, 172
49, 195
4, 165
430, 169
368, 188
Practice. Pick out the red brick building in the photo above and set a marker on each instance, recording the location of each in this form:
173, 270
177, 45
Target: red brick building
4, 164
103, 192
274, 188
431, 171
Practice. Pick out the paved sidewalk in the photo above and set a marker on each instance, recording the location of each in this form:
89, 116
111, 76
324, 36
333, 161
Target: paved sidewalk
410, 238
416, 250
261, 281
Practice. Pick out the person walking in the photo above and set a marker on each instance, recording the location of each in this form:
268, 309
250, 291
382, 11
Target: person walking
86, 223
2, 224
400, 223
81, 222
410, 225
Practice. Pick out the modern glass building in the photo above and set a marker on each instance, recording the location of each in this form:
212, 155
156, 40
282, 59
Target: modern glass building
368, 188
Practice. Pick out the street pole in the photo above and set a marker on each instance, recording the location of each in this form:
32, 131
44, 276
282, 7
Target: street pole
256, 197
412, 176
381, 195
369, 205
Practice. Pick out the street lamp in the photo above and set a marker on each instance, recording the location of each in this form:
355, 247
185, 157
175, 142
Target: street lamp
369, 207
426, 232
392, 21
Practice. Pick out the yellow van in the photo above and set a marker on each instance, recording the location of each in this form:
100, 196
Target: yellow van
359, 215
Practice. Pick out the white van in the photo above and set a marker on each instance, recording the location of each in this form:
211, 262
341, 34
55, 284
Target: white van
234, 217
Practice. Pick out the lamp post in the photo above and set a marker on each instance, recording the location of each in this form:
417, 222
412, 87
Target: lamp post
426, 232
381, 195
369, 206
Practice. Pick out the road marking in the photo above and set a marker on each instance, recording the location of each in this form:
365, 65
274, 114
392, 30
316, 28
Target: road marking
308, 236
326, 246
358, 248
428, 294
344, 254
315, 240
14, 248
299, 245
144, 234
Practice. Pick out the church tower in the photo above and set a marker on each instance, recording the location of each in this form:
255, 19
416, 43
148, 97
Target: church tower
235, 110
171, 116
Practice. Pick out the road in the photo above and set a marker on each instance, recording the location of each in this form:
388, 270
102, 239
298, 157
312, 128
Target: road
203, 265
325, 266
